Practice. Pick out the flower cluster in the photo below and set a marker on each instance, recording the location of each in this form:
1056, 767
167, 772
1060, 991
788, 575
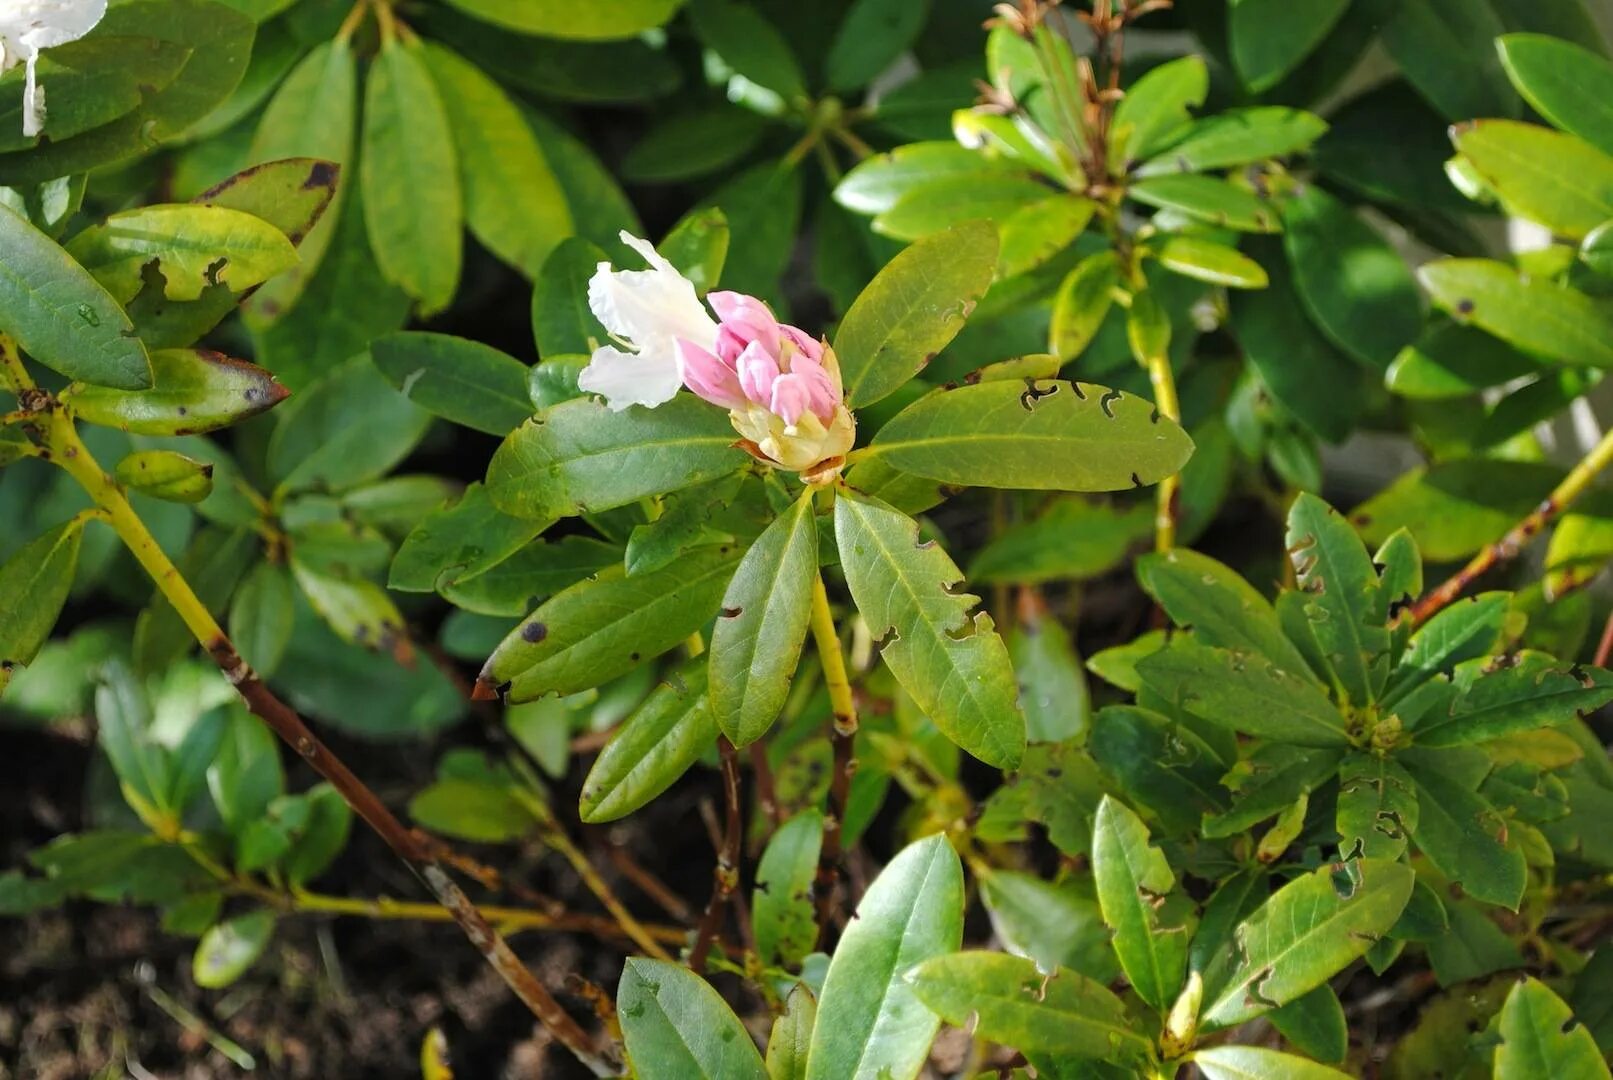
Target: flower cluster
781, 387
27, 26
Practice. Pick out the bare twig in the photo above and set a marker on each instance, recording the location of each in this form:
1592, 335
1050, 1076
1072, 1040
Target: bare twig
843, 734
766, 793
725, 878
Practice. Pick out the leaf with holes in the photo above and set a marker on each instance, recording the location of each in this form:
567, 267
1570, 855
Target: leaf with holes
953, 663
1151, 918
1344, 603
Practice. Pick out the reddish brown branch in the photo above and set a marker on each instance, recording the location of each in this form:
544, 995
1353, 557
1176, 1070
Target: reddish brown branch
725, 878
766, 792
1502, 551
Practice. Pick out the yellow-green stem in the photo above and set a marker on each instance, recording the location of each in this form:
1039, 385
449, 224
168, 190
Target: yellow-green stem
843, 736
1168, 494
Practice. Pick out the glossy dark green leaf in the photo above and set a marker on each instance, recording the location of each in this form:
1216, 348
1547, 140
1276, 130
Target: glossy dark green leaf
1314, 1023
1154, 111
693, 143
1373, 310
748, 43
514, 204
952, 663
1459, 633
456, 378
1235, 137
870, 37
1047, 435
1566, 83
1220, 606
602, 627
581, 457
1557, 180
1446, 48
35, 581
1377, 808
1272, 779
412, 198
261, 616
763, 623
1244, 692
871, 1023
1165, 767
1345, 605
458, 541
518, 583
781, 908
1270, 38
1451, 360
63, 317
654, 746
698, 246
1532, 691
562, 322
1309, 931
1465, 838
91, 82
1051, 924
1536, 315
1052, 684
349, 429
912, 309
677, 1026
1073, 538
1152, 920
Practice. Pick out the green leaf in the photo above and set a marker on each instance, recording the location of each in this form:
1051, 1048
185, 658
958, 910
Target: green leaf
144, 767
1354, 285
92, 82
1052, 684
870, 1023
1152, 920
1377, 808
165, 474
1458, 633
220, 40
1169, 769
1530, 692
192, 391
410, 175
602, 627
1235, 137
1154, 111
514, 204
565, 19
1074, 538
261, 615
359, 610
245, 775
1272, 779
1270, 38
757, 641
1446, 48
1038, 231
912, 309
472, 809
459, 541
230, 948
350, 428
953, 664
1539, 1037
1081, 304
1006, 1000
1346, 608
60, 315
1315, 1024
944, 204
462, 380
1552, 321
516, 584
312, 114
1454, 508
1258, 1063
1209, 262
693, 143
1041, 434
791, 1038
653, 747
1452, 361
1556, 180
1464, 837
748, 43
1209, 199
678, 1028
1309, 931
212, 564
698, 246
870, 38
599, 209
781, 906
1245, 693
1567, 84
580, 457
562, 322
1053, 925
879, 182
1591, 1000
192, 246
1220, 606
35, 581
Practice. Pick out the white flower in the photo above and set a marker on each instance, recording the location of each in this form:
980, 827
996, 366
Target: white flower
27, 26
648, 312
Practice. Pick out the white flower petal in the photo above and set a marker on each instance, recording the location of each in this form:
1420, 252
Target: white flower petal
637, 305
647, 378
27, 26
